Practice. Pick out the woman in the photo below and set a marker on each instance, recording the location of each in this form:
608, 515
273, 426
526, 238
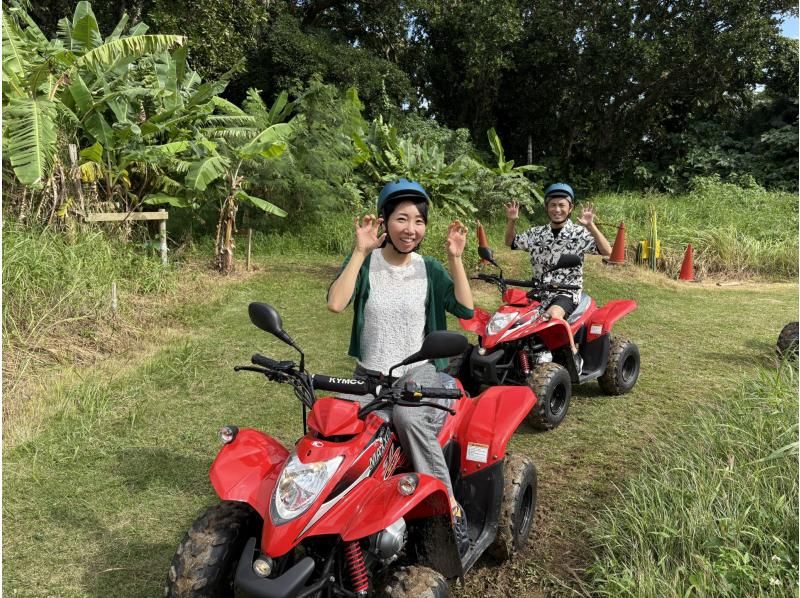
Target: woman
398, 297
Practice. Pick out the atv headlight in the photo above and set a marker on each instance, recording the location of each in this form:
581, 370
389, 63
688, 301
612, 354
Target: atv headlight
300, 484
500, 321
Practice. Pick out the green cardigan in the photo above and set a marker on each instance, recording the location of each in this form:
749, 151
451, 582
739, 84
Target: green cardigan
441, 297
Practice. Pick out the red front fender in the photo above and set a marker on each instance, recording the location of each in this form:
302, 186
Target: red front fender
603, 319
477, 323
375, 504
246, 469
497, 413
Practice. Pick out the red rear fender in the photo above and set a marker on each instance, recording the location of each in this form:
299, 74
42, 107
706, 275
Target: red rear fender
603, 319
497, 413
246, 469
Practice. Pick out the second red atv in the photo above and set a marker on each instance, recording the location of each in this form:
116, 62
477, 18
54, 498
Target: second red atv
341, 513
519, 344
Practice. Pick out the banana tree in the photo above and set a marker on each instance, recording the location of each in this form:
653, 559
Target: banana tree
383, 156
506, 169
53, 88
215, 163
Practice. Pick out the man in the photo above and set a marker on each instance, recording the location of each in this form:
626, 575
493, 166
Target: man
547, 243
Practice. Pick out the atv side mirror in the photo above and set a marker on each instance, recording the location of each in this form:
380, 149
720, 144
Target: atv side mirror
486, 254
269, 320
437, 344
567, 260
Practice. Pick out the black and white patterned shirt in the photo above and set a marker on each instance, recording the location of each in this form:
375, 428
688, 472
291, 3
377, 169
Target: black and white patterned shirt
545, 250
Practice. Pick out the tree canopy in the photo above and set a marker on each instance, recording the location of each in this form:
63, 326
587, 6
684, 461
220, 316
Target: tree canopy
634, 93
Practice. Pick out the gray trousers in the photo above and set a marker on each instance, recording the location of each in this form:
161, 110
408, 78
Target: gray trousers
417, 427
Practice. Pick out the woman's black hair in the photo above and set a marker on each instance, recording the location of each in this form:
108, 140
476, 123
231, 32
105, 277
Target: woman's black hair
389, 208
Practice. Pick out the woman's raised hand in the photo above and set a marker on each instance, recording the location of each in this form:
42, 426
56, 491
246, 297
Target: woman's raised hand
456, 239
367, 233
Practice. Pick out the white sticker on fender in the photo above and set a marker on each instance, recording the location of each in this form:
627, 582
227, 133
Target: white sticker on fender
477, 452
596, 329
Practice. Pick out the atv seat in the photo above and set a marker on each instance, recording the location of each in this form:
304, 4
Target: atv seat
582, 305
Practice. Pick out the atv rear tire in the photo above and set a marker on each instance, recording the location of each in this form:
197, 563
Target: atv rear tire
205, 563
415, 581
622, 370
788, 340
518, 507
552, 386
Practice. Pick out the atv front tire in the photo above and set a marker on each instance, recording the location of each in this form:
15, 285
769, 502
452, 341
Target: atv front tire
788, 339
622, 370
205, 563
415, 581
518, 507
551, 384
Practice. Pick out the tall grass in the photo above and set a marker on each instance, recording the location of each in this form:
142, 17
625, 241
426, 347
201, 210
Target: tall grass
52, 282
733, 231
714, 510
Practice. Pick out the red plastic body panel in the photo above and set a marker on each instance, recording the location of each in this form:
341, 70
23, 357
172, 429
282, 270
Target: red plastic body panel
246, 469
332, 417
516, 297
603, 319
375, 504
487, 428
477, 323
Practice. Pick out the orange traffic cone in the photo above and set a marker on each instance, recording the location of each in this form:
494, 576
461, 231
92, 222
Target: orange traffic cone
618, 251
482, 240
687, 268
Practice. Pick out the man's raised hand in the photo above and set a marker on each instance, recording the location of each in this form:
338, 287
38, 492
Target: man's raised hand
512, 210
587, 215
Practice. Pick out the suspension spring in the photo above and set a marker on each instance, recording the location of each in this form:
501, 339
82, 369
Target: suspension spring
524, 361
356, 567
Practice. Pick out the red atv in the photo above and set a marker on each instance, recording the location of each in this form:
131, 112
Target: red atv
519, 344
341, 513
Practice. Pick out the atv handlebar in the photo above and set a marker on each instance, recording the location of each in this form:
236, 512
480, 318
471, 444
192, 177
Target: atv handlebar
529, 284
408, 395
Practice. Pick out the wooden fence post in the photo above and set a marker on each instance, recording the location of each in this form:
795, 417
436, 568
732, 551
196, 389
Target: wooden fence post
162, 230
249, 244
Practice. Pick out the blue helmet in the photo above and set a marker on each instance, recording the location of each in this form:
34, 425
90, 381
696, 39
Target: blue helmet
400, 190
559, 190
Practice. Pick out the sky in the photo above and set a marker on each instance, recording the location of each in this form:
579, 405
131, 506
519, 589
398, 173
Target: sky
789, 27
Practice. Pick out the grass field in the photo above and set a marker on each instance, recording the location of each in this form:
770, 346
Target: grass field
108, 472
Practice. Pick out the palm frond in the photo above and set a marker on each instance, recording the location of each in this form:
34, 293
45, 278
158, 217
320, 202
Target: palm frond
15, 54
205, 171
31, 130
85, 31
228, 108
137, 45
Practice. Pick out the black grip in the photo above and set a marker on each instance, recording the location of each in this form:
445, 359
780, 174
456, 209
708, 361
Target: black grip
439, 393
263, 361
351, 386
521, 283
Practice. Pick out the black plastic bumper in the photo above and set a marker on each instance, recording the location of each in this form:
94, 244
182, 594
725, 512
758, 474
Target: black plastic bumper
288, 585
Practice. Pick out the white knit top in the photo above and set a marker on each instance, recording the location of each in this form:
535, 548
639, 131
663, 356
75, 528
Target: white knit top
394, 313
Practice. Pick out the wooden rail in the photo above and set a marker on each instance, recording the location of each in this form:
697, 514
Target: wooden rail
161, 216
